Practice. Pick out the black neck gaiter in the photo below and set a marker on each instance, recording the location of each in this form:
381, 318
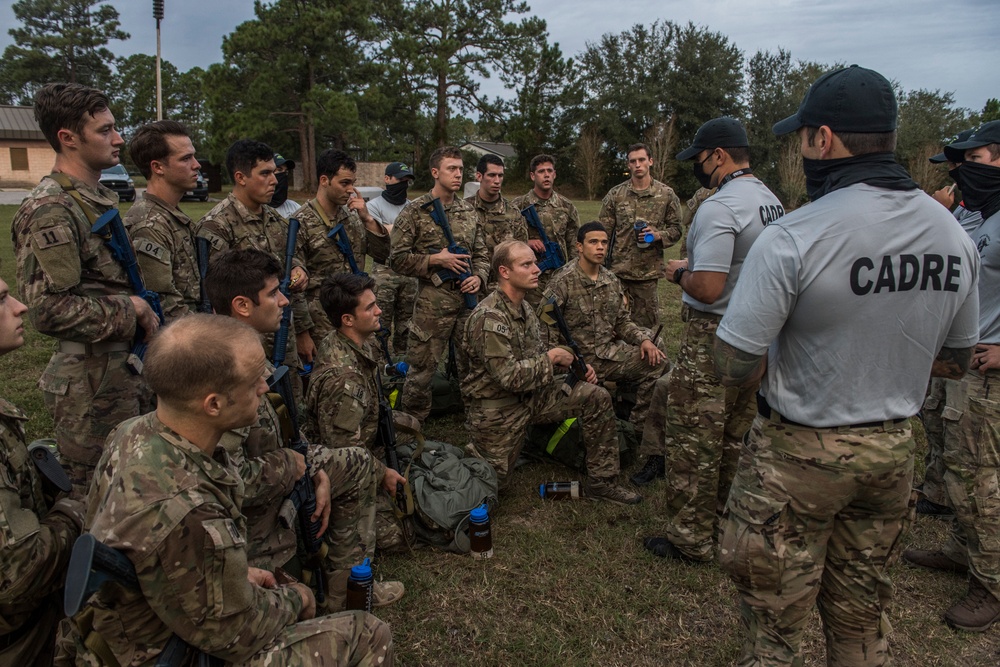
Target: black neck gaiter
395, 193
980, 185
876, 169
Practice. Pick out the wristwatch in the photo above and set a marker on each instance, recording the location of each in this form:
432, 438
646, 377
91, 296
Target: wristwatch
678, 273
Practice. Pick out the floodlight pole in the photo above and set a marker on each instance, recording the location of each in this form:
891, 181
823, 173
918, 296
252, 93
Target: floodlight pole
158, 15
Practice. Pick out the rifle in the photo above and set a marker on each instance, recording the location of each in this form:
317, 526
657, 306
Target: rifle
302, 499
385, 437
611, 248
438, 215
551, 314
91, 565
553, 257
203, 248
110, 228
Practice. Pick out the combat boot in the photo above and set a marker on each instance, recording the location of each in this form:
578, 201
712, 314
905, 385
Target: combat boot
932, 509
934, 560
383, 592
597, 489
655, 467
976, 612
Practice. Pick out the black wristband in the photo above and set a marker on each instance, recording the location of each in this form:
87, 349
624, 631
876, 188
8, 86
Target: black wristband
678, 273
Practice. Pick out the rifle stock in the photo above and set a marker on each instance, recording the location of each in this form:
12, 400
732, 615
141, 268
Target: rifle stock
551, 314
440, 218
553, 257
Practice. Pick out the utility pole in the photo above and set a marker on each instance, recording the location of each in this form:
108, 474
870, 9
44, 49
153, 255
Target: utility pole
158, 15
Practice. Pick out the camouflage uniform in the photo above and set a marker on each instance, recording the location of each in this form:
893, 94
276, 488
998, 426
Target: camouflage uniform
343, 406
500, 221
439, 313
640, 269
599, 319
561, 221
165, 248
323, 257
35, 543
511, 384
77, 293
175, 513
936, 406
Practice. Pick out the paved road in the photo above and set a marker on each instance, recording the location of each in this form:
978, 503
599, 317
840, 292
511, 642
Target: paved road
15, 197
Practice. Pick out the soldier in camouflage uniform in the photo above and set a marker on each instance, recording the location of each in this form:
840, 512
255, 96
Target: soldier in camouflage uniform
395, 293
420, 248
244, 220
822, 494
162, 234
349, 476
499, 219
641, 199
343, 401
705, 421
336, 203
593, 303
35, 536
557, 213
75, 290
169, 498
512, 382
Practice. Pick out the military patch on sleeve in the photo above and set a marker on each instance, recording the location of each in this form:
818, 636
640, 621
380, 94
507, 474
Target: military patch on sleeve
497, 327
50, 237
224, 533
151, 248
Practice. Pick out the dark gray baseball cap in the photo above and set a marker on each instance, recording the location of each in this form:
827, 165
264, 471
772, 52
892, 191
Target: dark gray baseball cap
722, 132
951, 154
852, 99
985, 134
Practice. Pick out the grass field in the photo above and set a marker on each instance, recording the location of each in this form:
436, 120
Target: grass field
569, 583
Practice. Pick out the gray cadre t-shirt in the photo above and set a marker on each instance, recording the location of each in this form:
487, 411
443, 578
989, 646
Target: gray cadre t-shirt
724, 227
987, 239
969, 220
383, 211
852, 297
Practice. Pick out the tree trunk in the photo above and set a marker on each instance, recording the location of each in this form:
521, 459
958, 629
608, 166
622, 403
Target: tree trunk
441, 116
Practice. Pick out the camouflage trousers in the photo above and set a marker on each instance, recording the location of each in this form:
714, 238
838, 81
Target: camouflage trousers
813, 518
439, 315
354, 485
37, 643
633, 369
972, 463
654, 438
88, 396
643, 302
935, 404
498, 433
395, 295
348, 638
704, 426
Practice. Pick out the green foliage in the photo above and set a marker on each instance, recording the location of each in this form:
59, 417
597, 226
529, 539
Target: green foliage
59, 40
927, 120
991, 110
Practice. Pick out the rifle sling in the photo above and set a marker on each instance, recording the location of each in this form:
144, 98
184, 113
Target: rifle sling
70, 189
94, 641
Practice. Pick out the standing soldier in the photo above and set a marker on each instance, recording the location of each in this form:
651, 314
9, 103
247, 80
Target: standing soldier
162, 235
35, 537
336, 203
395, 293
871, 287
557, 213
500, 220
705, 421
636, 262
75, 290
420, 248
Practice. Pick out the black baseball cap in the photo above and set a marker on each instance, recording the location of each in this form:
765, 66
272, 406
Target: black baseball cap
852, 99
722, 132
398, 170
950, 154
985, 134
278, 161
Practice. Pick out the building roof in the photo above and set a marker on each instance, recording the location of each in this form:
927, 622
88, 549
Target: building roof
503, 150
19, 123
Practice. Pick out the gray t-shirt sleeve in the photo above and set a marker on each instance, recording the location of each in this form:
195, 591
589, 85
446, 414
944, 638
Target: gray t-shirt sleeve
765, 293
716, 228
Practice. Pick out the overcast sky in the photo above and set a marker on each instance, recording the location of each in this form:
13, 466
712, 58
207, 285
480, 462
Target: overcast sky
947, 45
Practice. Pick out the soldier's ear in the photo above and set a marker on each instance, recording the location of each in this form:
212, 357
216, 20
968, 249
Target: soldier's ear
212, 404
242, 306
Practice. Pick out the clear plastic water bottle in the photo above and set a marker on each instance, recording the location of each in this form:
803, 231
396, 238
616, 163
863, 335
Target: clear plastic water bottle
480, 533
560, 490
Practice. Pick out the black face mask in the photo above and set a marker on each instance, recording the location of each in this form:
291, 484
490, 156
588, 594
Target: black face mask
704, 179
955, 175
395, 193
980, 185
280, 190
877, 169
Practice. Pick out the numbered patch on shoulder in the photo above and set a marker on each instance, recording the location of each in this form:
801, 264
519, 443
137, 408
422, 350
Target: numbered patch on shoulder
50, 237
497, 327
151, 249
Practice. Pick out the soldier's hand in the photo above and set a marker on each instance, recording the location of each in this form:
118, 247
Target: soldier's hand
357, 203
560, 356
591, 376
299, 281
322, 514
537, 245
651, 353
300, 463
471, 285
447, 260
262, 578
986, 357
672, 267
306, 347
945, 196
391, 479
308, 602
144, 316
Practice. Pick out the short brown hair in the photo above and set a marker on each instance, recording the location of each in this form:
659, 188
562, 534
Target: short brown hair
503, 254
539, 160
443, 152
638, 147
994, 150
340, 295
860, 143
195, 356
61, 106
150, 143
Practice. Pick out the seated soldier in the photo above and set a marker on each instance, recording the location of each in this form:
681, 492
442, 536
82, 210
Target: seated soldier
167, 495
35, 536
244, 285
593, 302
512, 382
